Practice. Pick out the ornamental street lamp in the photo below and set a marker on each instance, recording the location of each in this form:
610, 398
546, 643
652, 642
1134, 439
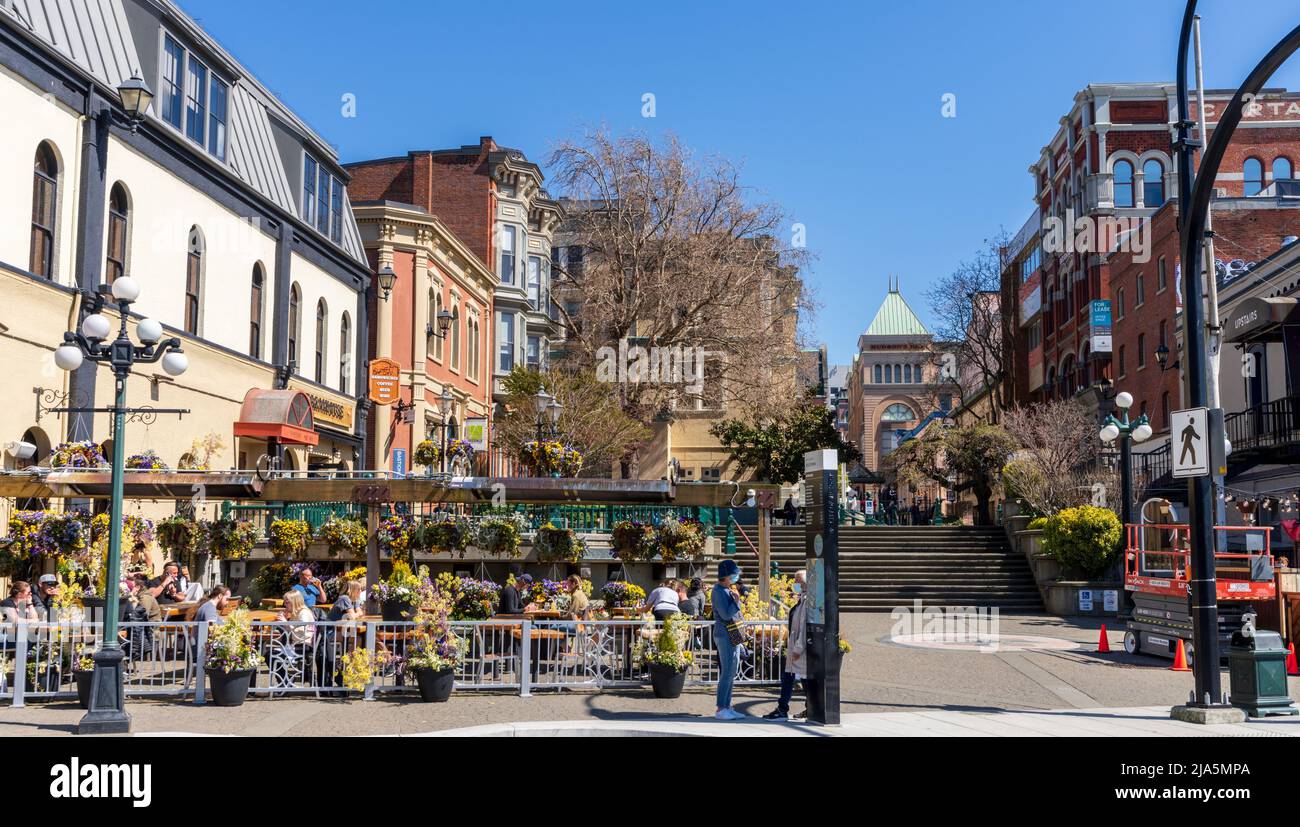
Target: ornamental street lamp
1138, 430
107, 713
1162, 358
444, 324
543, 401
135, 96
387, 279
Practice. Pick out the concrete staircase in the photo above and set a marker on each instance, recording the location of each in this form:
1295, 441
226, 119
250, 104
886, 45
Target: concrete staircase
882, 567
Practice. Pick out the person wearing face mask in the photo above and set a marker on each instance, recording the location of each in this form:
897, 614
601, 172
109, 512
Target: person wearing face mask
796, 653
727, 635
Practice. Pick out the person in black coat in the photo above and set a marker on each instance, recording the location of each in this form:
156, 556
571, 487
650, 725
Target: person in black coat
510, 602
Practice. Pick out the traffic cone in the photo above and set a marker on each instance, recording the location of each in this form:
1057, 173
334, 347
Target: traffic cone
1291, 668
1103, 645
1180, 659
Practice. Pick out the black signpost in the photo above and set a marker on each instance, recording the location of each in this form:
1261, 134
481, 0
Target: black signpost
821, 469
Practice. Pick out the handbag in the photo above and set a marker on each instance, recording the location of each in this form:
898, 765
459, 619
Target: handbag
734, 635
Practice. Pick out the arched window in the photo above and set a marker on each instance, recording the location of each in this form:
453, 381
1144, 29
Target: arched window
194, 281
45, 199
455, 338
907, 374
345, 354
1252, 177
1153, 183
1281, 168
1123, 184
118, 214
322, 318
295, 319
898, 374
255, 305
898, 412
879, 378
434, 345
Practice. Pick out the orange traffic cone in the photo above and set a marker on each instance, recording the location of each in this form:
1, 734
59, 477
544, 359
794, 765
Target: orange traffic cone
1103, 645
1180, 659
1291, 667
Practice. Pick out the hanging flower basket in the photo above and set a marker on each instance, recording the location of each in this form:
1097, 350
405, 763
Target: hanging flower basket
499, 536
288, 539
394, 537
427, 453
440, 535
83, 454
344, 536
461, 450
680, 539
179, 536
231, 539
551, 457
558, 545
146, 461
633, 540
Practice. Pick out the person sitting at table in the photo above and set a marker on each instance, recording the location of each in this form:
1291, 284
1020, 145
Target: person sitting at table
295, 610
579, 606
691, 602
662, 601
313, 591
509, 602
47, 595
209, 610
20, 605
172, 586
145, 607
347, 606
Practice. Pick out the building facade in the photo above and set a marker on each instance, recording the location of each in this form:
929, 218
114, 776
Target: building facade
230, 213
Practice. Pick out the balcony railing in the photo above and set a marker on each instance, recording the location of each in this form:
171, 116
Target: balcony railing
1271, 425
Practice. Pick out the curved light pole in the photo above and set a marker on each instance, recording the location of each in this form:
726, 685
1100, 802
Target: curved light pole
107, 710
1194, 204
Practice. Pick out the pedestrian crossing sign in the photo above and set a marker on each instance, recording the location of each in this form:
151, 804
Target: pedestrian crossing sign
1189, 437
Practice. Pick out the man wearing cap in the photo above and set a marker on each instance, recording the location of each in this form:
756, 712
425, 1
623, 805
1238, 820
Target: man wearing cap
511, 604
47, 592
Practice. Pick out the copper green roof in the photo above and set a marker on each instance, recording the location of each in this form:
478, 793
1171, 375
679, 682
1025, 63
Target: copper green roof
895, 318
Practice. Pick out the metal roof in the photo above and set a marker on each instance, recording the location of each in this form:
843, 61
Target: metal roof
895, 318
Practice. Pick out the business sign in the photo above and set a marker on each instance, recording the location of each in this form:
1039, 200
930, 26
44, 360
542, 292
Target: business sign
385, 381
327, 409
1099, 326
399, 462
476, 431
1189, 442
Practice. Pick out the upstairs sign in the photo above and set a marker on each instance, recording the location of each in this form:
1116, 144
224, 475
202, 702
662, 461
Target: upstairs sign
385, 381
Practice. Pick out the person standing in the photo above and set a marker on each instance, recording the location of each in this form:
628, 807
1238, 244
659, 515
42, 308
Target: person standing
796, 653
726, 635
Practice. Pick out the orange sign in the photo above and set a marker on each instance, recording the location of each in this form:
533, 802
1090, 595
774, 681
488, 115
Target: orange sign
385, 381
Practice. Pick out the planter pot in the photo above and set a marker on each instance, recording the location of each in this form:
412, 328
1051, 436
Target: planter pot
435, 684
229, 688
84, 681
395, 610
47, 680
667, 681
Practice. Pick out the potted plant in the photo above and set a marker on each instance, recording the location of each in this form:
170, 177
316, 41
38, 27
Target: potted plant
344, 535
83, 454
147, 460
288, 538
460, 451
680, 539
666, 657
427, 453
470, 599
632, 540
449, 533
558, 545
178, 535
433, 653
402, 593
231, 539
620, 594
231, 660
83, 670
358, 667
499, 535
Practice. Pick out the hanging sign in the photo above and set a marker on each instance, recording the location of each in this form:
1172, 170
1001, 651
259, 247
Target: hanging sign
385, 381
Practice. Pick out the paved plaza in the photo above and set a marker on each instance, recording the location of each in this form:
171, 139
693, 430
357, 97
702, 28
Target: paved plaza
888, 689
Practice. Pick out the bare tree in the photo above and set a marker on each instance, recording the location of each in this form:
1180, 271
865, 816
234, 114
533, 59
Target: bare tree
675, 253
969, 322
1059, 462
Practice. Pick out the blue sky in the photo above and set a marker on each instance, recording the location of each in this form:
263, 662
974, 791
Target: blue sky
833, 108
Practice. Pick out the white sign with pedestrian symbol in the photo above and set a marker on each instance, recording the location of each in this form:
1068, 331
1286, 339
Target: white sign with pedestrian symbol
1188, 431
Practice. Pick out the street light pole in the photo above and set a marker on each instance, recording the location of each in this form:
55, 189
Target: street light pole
107, 713
1126, 432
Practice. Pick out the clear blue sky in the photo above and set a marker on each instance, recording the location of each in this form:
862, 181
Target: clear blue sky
833, 108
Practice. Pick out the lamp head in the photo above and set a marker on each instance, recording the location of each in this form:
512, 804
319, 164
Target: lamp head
125, 290
174, 362
542, 400
1110, 433
68, 357
445, 401
96, 327
135, 96
1124, 400
387, 279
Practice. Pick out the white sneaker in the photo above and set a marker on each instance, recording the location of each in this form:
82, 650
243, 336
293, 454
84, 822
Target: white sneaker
728, 715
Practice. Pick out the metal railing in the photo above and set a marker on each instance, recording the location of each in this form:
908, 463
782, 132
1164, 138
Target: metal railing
306, 658
1269, 425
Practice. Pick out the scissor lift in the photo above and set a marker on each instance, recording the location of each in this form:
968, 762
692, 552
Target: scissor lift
1157, 560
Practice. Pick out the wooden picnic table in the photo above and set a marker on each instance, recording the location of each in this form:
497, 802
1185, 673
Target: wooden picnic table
539, 634
544, 615
170, 611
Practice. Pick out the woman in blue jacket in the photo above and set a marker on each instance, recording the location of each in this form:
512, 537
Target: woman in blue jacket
726, 609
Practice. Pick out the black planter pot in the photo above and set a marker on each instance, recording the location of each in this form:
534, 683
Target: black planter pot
394, 610
667, 681
84, 680
229, 688
435, 684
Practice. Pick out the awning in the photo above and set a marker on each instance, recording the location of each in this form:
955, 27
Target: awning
282, 415
1260, 319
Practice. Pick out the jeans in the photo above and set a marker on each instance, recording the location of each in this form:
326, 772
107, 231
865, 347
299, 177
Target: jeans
728, 662
787, 691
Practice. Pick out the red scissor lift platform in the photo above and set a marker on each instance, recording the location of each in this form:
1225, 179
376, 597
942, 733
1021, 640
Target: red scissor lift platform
1157, 562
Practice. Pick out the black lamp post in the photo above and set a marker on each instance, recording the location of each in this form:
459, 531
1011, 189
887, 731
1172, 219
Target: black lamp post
107, 709
387, 278
542, 401
1162, 358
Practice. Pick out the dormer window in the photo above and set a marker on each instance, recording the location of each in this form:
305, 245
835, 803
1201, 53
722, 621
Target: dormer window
322, 199
194, 100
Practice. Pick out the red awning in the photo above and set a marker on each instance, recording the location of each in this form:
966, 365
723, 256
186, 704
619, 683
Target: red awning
283, 415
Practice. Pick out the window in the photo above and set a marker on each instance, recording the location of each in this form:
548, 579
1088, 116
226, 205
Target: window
196, 110
1163, 340
345, 354
1142, 350
1140, 289
309, 171
1122, 371
255, 305
322, 318
295, 319
1252, 177
1153, 183
907, 374
115, 255
535, 282
1281, 168
534, 352
507, 270
322, 199
1031, 263
1162, 276
218, 93
505, 342
173, 69
336, 211
898, 374
435, 307
471, 347
455, 338
898, 412
1164, 409
1119, 303
193, 281
1123, 178
879, 379
45, 197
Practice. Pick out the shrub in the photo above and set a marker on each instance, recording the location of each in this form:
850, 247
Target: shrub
1037, 524
1084, 539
